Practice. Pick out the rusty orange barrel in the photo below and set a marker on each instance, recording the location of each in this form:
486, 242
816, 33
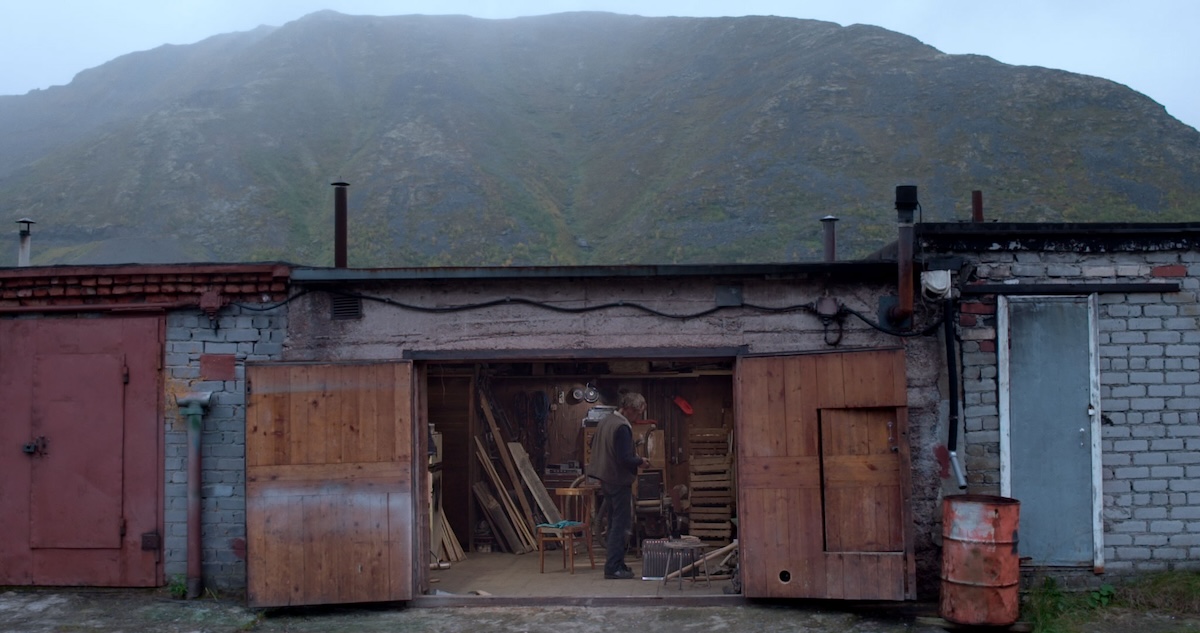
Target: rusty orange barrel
981, 571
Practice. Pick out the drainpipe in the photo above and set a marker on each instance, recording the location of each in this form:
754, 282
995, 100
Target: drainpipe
339, 224
948, 318
26, 239
192, 405
906, 205
830, 222
977, 206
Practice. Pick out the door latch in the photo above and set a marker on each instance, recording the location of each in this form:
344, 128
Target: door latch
36, 447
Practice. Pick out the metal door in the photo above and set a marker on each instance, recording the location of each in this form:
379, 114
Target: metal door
75, 496
823, 476
329, 483
1049, 426
81, 482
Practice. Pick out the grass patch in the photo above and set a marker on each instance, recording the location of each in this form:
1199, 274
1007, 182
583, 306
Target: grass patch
1051, 609
1175, 592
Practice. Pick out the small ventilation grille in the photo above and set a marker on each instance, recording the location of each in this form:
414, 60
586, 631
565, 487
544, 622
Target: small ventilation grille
344, 307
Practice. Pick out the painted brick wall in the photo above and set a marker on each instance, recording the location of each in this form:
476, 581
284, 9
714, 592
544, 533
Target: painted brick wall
1150, 395
199, 357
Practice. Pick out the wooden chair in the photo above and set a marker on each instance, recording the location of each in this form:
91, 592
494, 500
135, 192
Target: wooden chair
575, 504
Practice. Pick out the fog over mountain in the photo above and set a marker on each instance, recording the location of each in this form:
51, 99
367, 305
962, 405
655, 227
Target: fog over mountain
582, 138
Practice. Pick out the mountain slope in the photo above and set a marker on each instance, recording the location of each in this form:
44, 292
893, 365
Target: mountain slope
579, 138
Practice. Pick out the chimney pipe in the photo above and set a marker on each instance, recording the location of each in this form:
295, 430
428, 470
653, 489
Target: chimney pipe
830, 222
906, 205
26, 238
339, 224
977, 206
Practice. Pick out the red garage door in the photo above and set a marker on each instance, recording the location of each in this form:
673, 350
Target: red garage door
81, 481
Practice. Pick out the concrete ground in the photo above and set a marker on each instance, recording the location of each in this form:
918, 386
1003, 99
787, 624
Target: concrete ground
35, 610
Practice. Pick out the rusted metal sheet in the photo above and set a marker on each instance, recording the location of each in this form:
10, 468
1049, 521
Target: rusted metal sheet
329, 471
981, 569
83, 395
823, 476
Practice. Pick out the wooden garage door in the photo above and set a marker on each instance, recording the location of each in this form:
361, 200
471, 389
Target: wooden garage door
823, 476
329, 472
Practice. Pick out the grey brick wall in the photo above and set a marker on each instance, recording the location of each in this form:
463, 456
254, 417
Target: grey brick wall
248, 336
1149, 346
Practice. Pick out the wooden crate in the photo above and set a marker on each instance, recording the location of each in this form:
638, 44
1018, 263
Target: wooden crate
711, 494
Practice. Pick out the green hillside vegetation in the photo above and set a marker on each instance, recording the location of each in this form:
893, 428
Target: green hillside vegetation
569, 139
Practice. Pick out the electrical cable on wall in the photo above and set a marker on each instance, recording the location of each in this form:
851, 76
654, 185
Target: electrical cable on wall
827, 319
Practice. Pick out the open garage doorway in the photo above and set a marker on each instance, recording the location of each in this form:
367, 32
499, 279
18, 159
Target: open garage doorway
510, 440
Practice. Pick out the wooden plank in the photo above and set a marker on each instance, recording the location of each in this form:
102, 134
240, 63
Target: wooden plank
780, 472
498, 518
266, 419
381, 473
866, 576
437, 537
754, 380
498, 538
505, 500
506, 459
455, 548
526, 541
800, 422
875, 378
830, 390
400, 536
549, 510
709, 463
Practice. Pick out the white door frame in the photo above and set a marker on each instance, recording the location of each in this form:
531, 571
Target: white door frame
1004, 384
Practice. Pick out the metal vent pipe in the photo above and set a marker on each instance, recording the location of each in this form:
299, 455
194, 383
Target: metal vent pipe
977, 206
906, 206
339, 224
26, 240
830, 222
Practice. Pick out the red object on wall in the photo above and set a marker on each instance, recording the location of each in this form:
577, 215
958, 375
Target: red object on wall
218, 366
81, 501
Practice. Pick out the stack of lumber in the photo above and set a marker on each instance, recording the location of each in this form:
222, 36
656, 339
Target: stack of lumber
446, 547
504, 494
710, 485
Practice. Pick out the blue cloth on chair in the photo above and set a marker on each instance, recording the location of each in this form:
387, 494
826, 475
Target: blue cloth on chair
560, 525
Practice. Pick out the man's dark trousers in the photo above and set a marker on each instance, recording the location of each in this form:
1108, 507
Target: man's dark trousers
619, 500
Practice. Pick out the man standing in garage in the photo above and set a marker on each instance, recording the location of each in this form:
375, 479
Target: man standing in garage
615, 463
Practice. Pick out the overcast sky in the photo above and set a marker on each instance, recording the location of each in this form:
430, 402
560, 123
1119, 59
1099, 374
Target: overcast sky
1152, 46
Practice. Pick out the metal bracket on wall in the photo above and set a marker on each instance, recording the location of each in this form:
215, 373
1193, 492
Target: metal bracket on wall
211, 301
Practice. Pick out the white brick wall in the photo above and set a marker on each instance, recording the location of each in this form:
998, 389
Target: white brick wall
248, 335
1150, 394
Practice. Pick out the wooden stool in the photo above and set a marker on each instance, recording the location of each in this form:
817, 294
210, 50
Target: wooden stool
694, 548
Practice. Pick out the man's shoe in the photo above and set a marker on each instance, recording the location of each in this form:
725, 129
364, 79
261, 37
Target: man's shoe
620, 574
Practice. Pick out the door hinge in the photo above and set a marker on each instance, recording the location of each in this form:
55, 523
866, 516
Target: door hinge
125, 374
122, 527
249, 385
